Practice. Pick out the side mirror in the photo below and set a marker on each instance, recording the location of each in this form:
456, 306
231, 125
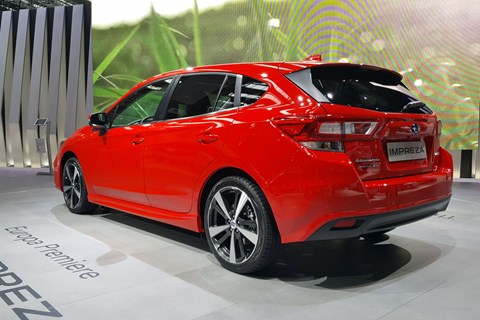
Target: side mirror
98, 121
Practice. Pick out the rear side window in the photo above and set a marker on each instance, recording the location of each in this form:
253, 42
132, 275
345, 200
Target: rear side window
226, 97
200, 94
359, 86
252, 90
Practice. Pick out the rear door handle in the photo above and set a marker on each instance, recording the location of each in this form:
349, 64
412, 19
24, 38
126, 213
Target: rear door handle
137, 140
207, 137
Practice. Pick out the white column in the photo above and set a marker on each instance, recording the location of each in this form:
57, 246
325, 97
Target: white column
38, 84
57, 81
19, 61
5, 76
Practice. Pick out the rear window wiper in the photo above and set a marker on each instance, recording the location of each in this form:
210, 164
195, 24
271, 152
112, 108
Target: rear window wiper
416, 105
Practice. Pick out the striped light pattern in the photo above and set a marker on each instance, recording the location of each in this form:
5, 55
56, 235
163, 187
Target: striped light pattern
435, 44
45, 72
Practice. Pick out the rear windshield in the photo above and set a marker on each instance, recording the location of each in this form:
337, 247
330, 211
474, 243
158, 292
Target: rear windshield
358, 86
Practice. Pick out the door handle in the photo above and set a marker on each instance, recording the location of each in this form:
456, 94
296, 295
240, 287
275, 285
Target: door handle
208, 137
137, 140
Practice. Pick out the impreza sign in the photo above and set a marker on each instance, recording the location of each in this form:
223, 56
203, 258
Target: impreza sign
409, 150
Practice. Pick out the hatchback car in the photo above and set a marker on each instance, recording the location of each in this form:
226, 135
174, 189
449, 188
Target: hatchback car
261, 154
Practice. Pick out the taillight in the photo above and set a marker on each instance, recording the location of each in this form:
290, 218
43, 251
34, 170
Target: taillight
359, 128
439, 127
324, 133
436, 155
436, 160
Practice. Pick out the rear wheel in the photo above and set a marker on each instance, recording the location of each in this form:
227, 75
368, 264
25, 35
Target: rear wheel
74, 189
239, 226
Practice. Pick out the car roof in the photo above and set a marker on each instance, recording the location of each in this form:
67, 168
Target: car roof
253, 69
260, 69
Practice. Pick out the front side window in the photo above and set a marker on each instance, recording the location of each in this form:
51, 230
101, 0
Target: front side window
200, 94
140, 106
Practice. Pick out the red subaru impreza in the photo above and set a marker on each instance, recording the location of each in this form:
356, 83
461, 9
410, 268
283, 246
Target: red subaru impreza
259, 154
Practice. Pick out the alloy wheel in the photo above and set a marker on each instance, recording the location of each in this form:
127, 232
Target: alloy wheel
72, 185
232, 225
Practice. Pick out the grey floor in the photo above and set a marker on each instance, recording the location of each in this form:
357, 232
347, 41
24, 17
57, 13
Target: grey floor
141, 269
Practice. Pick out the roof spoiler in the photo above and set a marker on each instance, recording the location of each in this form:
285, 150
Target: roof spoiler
314, 57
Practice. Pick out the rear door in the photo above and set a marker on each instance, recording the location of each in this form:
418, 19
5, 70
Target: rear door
195, 124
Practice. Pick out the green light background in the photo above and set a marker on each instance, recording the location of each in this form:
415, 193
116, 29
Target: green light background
435, 44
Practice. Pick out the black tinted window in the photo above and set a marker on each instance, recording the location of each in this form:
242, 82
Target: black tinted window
362, 87
225, 99
199, 94
252, 90
365, 94
141, 105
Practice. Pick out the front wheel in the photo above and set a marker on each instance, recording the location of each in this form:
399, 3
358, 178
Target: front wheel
74, 189
239, 226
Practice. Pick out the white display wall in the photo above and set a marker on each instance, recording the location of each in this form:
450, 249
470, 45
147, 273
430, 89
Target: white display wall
45, 72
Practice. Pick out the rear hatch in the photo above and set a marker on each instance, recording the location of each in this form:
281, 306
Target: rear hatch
384, 129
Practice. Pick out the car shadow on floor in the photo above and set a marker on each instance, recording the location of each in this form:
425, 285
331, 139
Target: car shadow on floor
160, 229
338, 263
333, 264
329, 264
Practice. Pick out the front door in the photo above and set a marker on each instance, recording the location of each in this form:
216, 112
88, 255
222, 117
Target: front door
120, 150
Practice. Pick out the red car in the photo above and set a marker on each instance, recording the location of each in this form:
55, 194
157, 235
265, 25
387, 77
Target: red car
259, 154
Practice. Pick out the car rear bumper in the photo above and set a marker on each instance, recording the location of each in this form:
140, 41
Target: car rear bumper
377, 223
325, 191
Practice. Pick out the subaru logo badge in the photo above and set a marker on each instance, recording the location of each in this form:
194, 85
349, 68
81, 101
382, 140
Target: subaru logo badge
415, 128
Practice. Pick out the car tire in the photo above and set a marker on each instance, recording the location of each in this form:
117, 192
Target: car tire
255, 241
74, 189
